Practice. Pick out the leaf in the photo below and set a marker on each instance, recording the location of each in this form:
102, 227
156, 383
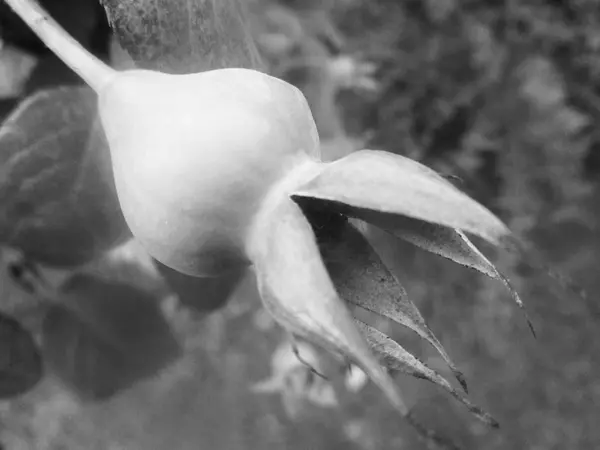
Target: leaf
183, 36
15, 68
396, 358
296, 290
21, 366
443, 241
377, 185
59, 204
201, 294
362, 279
404, 188
106, 336
449, 243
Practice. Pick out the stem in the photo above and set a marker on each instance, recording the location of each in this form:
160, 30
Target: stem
94, 72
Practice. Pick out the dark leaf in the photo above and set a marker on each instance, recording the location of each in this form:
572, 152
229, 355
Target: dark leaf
396, 358
202, 294
106, 336
183, 36
377, 185
362, 279
59, 204
21, 365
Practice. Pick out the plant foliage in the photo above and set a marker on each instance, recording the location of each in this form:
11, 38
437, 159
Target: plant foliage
471, 96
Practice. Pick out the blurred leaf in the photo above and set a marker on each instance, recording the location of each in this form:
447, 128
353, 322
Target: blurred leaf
377, 185
21, 365
362, 279
106, 336
541, 83
183, 36
15, 68
201, 294
58, 196
396, 358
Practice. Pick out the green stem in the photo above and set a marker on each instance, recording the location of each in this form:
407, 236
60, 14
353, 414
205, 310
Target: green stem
94, 72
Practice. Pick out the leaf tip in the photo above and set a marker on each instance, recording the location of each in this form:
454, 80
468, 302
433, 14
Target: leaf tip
531, 328
461, 380
484, 416
517, 299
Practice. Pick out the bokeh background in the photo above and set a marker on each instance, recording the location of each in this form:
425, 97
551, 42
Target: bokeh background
504, 96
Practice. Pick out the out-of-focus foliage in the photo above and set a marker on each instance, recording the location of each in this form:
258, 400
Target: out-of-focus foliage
59, 204
21, 365
105, 336
503, 95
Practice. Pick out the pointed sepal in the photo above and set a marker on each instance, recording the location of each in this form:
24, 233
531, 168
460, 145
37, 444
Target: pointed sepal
371, 183
449, 243
413, 202
396, 358
362, 279
297, 291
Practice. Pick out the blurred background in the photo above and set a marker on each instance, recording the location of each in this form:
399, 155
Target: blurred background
502, 95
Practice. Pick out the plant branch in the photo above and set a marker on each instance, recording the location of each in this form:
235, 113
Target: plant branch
91, 69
